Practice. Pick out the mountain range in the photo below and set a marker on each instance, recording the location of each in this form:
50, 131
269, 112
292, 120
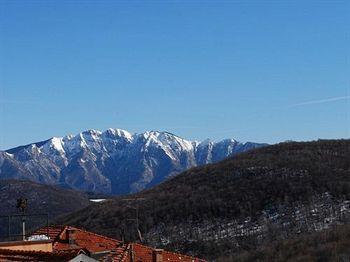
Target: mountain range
114, 161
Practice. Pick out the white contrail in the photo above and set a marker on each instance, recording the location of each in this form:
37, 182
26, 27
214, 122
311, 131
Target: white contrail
327, 100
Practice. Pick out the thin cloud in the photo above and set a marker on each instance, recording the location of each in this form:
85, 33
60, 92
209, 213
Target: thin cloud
18, 101
321, 101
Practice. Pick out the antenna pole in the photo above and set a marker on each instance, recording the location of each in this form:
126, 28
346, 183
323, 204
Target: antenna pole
22, 205
136, 219
23, 228
137, 215
9, 228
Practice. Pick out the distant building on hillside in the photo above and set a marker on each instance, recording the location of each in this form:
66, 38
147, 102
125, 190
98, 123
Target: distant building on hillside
97, 200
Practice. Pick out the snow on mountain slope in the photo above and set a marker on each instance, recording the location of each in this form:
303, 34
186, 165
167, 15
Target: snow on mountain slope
113, 161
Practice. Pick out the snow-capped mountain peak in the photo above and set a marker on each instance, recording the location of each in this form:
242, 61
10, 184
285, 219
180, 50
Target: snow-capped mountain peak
53, 144
118, 133
113, 161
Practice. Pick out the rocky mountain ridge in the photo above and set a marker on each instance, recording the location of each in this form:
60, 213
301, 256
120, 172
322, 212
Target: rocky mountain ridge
114, 161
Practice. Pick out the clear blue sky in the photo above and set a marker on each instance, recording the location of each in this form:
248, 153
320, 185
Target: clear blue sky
264, 71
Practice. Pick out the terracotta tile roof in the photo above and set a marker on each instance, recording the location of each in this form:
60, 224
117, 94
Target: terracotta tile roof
171, 256
117, 256
35, 256
52, 231
141, 253
82, 239
107, 249
147, 254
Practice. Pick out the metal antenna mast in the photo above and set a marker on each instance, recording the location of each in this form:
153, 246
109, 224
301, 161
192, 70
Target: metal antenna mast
22, 205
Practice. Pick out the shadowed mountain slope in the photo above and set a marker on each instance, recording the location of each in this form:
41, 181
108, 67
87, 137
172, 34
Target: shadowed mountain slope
42, 199
266, 194
328, 245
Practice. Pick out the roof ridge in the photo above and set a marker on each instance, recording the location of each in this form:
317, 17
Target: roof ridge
93, 233
63, 230
125, 253
119, 256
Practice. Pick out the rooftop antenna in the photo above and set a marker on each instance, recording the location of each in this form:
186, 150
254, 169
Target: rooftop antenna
22, 204
136, 219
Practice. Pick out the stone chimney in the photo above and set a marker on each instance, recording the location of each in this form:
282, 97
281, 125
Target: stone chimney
70, 235
158, 255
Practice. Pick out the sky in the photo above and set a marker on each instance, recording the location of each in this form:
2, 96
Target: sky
263, 71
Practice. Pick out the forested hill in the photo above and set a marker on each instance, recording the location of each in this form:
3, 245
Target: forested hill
265, 194
41, 198
327, 245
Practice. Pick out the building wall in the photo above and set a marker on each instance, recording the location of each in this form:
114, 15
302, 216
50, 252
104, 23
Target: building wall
44, 246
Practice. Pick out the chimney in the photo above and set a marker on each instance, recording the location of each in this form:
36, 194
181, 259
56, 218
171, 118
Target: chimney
70, 235
158, 255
